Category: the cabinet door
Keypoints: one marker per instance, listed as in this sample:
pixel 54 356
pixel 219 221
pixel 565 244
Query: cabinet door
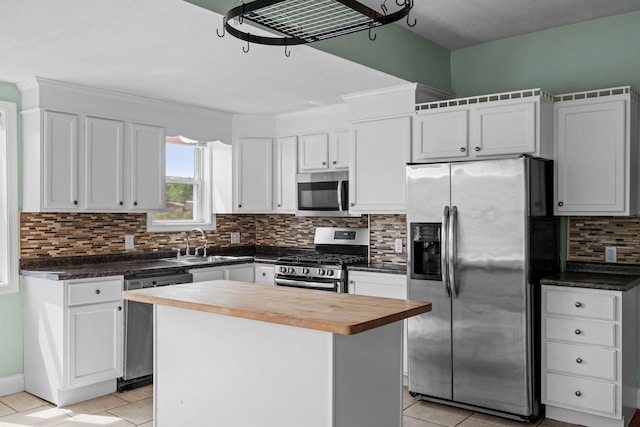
pixel 440 134
pixel 240 273
pixel 313 153
pixel 60 161
pixel 339 150
pixel 147 168
pixel 590 158
pixel 286 169
pixel 94 343
pixel 378 158
pixel 253 175
pixel 504 129
pixel 103 164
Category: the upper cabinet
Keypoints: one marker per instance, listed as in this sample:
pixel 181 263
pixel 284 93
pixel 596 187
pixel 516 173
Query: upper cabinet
pixel 322 152
pixel 286 167
pixel 596 156
pixel 488 126
pixel 100 171
pixel 252 175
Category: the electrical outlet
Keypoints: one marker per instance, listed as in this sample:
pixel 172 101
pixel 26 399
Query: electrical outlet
pixel 610 254
pixel 128 241
pixel 398 247
pixel 235 237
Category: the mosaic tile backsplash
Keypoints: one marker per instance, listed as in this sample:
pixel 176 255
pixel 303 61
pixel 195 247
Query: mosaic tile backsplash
pixel 57 235
pixel 588 237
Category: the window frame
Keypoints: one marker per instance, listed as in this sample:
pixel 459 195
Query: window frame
pixel 9 257
pixel 202 206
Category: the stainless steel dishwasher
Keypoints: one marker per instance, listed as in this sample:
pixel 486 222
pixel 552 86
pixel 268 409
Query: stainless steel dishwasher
pixel 138 330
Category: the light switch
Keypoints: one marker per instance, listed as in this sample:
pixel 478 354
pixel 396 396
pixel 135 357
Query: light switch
pixel 398 248
pixel 235 237
pixel 128 241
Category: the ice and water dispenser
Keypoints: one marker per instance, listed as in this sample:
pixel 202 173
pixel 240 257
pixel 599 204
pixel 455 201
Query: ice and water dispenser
pixel 425 241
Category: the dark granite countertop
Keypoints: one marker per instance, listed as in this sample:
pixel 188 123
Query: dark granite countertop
pixel 612 277
pixel 379 268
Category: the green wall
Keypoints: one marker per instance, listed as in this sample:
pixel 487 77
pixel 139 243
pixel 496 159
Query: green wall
pixel 11 304
pixel 589 55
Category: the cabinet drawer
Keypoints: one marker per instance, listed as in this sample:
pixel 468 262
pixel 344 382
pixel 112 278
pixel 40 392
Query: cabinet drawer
pixel 579 360
pixel 581 331
pixel 95 291
pixel 581 304
pixel 578 393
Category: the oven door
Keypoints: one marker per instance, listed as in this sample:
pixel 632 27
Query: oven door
pixel 331 285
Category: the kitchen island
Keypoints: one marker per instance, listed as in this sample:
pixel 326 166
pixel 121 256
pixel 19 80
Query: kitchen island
pixel 240 354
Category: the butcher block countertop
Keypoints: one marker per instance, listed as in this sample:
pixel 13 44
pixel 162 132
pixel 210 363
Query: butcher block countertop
pixel 344 314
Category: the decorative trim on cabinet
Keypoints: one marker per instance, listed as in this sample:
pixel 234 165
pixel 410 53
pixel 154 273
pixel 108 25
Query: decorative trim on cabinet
pixel 599 93
pixel 527 93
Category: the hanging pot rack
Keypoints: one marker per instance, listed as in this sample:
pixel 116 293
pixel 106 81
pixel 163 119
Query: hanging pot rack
pixel 306 21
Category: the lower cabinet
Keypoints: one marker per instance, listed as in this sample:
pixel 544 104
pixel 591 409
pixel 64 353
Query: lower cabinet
pixel 589 354
pixel 382 285
pixel 237 272
pixel 264 273
pixel 73 332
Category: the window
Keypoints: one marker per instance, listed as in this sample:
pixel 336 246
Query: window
pixel 8 198
pixel 188 188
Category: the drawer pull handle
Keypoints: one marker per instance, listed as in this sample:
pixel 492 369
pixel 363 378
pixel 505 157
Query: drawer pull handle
pixel 578 360
pixel 578 393
pixel 578 331
pixel 578 304
pixel 97 291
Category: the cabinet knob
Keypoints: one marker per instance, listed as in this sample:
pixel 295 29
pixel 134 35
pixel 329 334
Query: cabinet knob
pixel 351 282
pixel 578 360
pixel 352 204
pixel 97 291
pixel 279 205
pixel 264 274
pixel 462 149
pixel 334 162
pixel 324 163
pixel 578 393
pixel 578 304
pixel 75 202
pixel 560 204
pixel 578 331
pixel 239 206
pixel 135 203
pixel 119 308
pixel 121 203
pixel 477 148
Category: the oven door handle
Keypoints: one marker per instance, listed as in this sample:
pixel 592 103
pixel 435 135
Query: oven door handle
pixel 302 283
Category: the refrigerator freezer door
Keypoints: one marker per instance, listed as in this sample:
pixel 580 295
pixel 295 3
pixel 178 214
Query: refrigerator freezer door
pixel 491 315
pixel 429 347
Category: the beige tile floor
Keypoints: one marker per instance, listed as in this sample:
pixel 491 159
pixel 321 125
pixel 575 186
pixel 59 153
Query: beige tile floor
pixel 134 408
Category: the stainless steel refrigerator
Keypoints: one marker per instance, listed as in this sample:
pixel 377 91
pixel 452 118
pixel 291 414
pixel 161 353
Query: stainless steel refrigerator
pixel 480 235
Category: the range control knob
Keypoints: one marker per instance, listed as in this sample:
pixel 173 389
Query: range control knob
pixel 291 270
pixel 329 272
pixel 283 269
pixel 305 270
pixel 321 272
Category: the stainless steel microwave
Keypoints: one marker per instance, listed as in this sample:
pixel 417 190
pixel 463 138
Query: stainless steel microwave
pixel 322 194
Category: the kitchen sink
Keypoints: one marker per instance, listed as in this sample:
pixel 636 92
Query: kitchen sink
pixel 212 259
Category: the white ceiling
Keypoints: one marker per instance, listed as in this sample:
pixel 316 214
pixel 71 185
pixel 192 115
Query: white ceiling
pixel 168 49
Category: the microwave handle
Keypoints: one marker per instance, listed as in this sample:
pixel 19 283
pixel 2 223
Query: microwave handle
pixel 341 206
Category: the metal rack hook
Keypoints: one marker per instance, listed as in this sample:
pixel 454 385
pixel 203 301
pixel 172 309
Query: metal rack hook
pixel 287 52
pixel 248 45
pixel 415 21
pixel 224 28
pixel 383 6
pixel 375 36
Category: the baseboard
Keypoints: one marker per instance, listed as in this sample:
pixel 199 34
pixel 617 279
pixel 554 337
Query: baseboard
pixel 12 384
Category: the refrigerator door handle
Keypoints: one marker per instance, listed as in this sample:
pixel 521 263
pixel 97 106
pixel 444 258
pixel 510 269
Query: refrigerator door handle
pixel 444 251
pixel 453 250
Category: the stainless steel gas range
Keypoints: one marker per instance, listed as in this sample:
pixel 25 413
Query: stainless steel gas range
pixel 326 268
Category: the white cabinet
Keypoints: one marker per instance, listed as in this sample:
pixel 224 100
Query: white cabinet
pixel 382 285
pixel 380 150
pixel 322 152
pixel 589 353
pixel 81 356
pixel 264 273
pixel 146 168
pixel 488 126
pixel 236 272
pixel 252 175
pixel 102 171
pixel 596 156
pixel 103 164
pixel 286 168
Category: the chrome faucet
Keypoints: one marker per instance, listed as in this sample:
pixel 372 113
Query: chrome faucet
pixel 203 237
